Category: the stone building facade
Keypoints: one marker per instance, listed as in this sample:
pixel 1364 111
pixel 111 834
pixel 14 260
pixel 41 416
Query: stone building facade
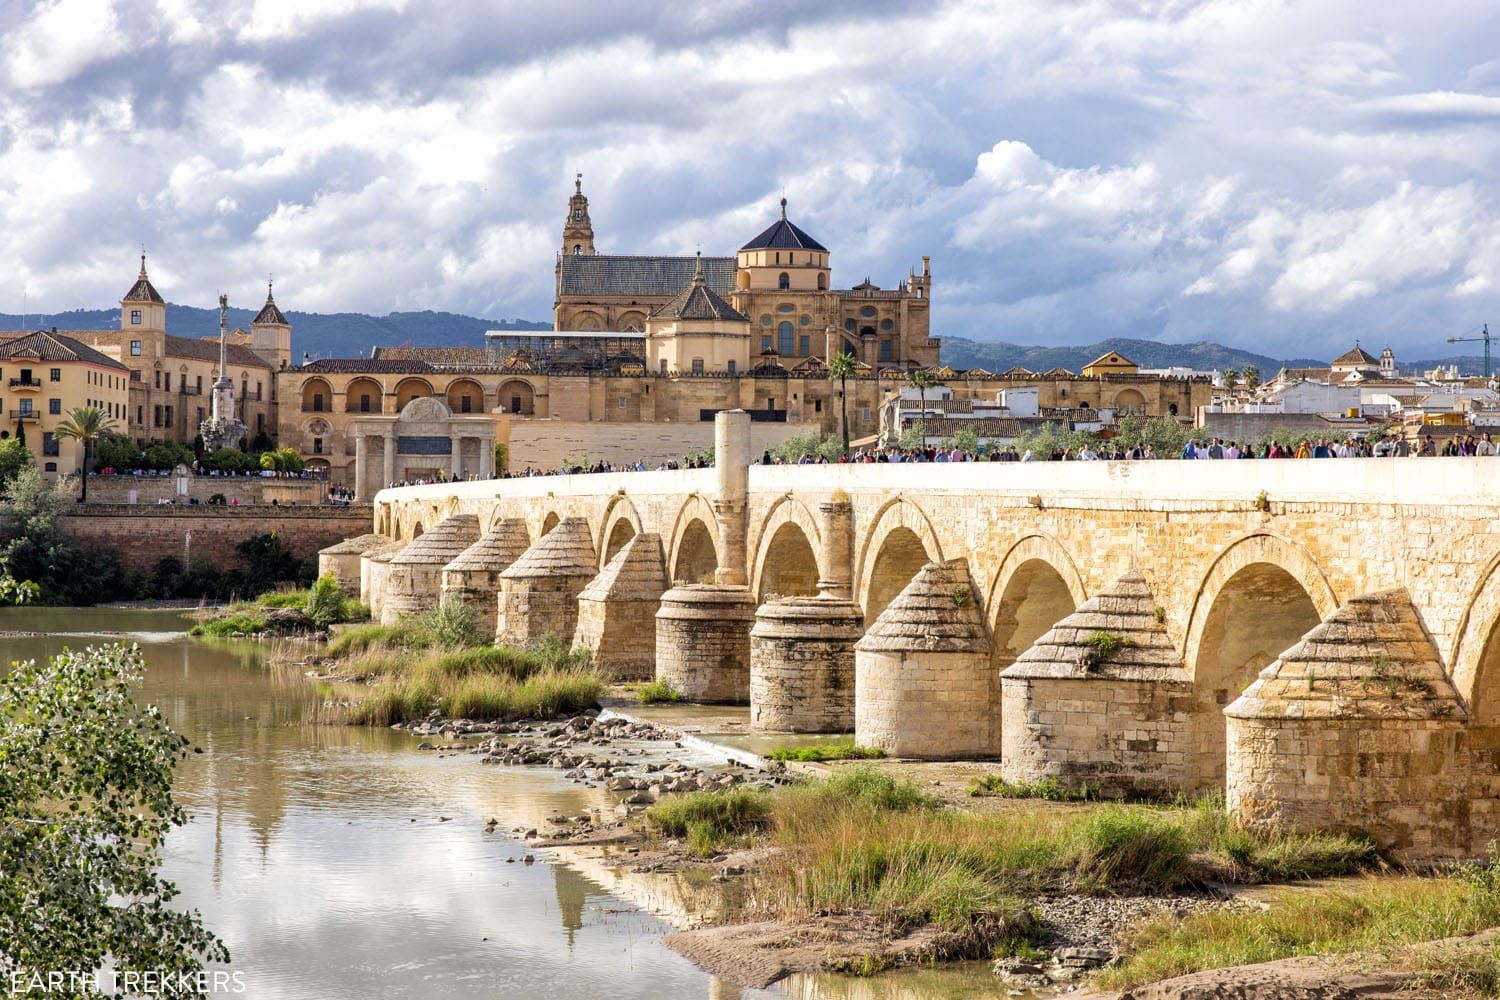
pixel 44 377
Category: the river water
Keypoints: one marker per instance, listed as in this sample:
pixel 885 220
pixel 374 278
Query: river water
pixel 340 862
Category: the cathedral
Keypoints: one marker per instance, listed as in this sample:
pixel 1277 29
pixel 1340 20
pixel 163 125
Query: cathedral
pixel 773 301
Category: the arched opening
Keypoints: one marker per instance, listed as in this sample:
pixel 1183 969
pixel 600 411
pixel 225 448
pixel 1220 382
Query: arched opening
pixel 697 559
pixel 317 396
pixel 589 322
pixel 549 522
pixel 822 282
pixel 1130 399
pixel 410 389
pixel 619 536
pixel 465 396
pixel 363 395
pixel 416 530
pixel 901 555
pixel 1260 612
pixel 632 322
pixel 1035 598
pixel 742 280
pixel 789 567
pixel 785 339
pixel 516 396
pixel 1484 705
pixel 783 280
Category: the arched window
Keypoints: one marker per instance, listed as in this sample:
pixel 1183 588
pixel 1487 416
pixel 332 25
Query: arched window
pixel 577 249
pixel 784 339
pixel 822 282
pixel 783 281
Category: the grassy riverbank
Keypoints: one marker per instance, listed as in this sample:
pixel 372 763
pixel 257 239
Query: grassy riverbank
pixel 438 662
pixel 287 610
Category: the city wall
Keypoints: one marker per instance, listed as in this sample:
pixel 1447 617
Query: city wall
pixel 1238 563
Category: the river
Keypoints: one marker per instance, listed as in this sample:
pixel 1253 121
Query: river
pixel 340 862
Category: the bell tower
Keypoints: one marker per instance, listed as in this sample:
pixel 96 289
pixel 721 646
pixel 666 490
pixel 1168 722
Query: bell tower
pixel 578 231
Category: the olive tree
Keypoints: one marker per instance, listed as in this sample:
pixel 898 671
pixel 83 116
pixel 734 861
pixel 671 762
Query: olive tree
pixel 85 803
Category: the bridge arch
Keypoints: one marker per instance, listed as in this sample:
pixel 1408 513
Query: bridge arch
pixel 901 540
pixel 1260 596
pixel 786 551
pixel 621 523
pixel 695 542
pixel 550 520
pixel 1475 666
pixel 1037 586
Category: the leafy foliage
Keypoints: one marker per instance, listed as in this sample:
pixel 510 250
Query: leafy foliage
pixel 14 456
pixel 827 751
pixel 452 623
pixel 326 604
pixel 281 460
pixel 85 803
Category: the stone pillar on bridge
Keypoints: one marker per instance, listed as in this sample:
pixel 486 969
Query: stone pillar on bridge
pixel 1101 700
pixel 373 567
pixel 539 592
pixel 923 675
pixel 474 577
pixel 836 561
pixel 617 610
pixel 1357 727
pixel 415 580
pixel 731 506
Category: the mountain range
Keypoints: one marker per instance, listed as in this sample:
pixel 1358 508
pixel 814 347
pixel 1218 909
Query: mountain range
pixel 352 335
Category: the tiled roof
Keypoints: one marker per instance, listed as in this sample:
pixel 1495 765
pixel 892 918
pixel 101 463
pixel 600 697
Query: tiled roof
pixel 344 366
pixel 269 313
pixel 142 291
pixel 208 350
pixel 44 346
pixel 436 355
pixel 1356 356
pixel 641 276
pixel 784 236
pixel 699 302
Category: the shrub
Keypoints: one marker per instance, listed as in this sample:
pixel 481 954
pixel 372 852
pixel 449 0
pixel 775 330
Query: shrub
pixel 231 625
pixel 451 623
pixel 656 691
pixel 325 603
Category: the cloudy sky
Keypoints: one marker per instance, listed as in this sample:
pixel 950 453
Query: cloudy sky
pixel 1283 176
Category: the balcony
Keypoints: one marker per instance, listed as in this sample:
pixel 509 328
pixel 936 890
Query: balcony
pixel 24 414
pixel 25 383
pixel 190 390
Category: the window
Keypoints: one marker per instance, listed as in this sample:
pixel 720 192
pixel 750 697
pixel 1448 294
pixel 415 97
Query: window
pixel 697 366
pixel 317 446
pixel 867 311
pixel 54 406
pixel 849 325
pixel 778 259
pixel 135 317
pixel 49 443
pixel 25 376
pixel 364 403
pixel 784 339
pixel 466 405
pixel 783 280
pixel 140 415
pixel 157 379
pixel 200 384
pixel 57 374
pixel 577 249
pixel 166 412
pixel 135 348
pixel 765 320
pixel 166 381
pixel 804 345
pixel 817 406
pixel 317 402
pixel 864 414
pixel 620 403
pixel 729 366
pixel 786 307
pixel 26 406
pixel 822 282
pixel 200 414
pixel 135 376
pixel 885 350
pixel 885 324
pixel 765 343
pixel 50 467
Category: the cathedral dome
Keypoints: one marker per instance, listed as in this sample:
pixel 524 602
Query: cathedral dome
pixel 783 235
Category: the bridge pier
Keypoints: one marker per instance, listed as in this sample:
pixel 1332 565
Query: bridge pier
pixel 617 610
pixel 802 665
pixel 539 592
pixel 703 642
pixel 1100 700
pixel 343 560
pixel 414 582
pixel 923 683
pixel 474 577
pixel 374 565
pixel 1357 728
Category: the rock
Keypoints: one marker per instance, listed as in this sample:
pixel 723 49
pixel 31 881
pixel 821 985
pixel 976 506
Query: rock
pixel 639 799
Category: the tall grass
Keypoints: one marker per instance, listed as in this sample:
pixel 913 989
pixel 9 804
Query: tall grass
pixel 827 751
pixel 711 820
pixel 361 638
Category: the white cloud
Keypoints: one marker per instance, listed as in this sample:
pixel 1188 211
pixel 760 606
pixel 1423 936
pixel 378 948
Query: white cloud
pixel 59 40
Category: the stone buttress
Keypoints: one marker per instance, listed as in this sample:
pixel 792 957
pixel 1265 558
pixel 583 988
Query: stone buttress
pixel 617 610
pixel 343 560
pixel 1356 728
pixel 923 684
pixel 1100 700
pixel 414 582
pixel 539 592
pixel 474 575
pixel 374 565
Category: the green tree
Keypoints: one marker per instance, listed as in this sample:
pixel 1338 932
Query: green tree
pixel 167 455
pixel 1252 376
pixel 115 451
pixel 1053 437
pixel 14 456
pixel 841 367
pixel 1229 375
pixel 34 546
pixel 921 380
pixel 85 424
pixel 85 803
pixel 1164 435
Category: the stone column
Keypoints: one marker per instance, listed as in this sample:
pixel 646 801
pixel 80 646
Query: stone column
pixel 486 457
pixel 389 468
pixel 836 561
pixel 732 472
pixel 456 460
pixel 361 467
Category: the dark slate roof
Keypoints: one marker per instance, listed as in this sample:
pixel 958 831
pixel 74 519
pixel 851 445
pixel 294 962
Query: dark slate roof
pixel 44 346
pixel 373 366
pixel 698 301
pixel 269 313
pixel 208 350
pixel 142 290
pixel 784 236
pixel 645 277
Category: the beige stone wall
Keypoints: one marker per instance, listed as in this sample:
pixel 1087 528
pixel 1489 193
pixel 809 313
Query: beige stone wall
pixel 703 643
pixel 802 666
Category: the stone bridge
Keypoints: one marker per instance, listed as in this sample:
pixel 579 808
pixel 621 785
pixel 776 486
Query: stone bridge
pixel 1316 638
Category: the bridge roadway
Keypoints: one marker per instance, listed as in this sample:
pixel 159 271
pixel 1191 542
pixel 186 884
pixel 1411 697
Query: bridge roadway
pixel 1234 563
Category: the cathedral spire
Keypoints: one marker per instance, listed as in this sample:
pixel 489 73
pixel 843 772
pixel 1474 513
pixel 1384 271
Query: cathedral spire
pixel 578 231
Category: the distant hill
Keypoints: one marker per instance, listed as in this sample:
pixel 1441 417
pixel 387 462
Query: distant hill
pixel 959 352
pixel 320 335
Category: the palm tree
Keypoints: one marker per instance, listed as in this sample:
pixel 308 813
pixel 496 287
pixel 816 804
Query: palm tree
pixel 921 380
pixel 1252 376
pixel 85 424
pixel 841 367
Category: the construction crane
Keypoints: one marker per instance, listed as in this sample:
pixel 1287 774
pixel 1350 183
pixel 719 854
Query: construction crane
pixel 1484 337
